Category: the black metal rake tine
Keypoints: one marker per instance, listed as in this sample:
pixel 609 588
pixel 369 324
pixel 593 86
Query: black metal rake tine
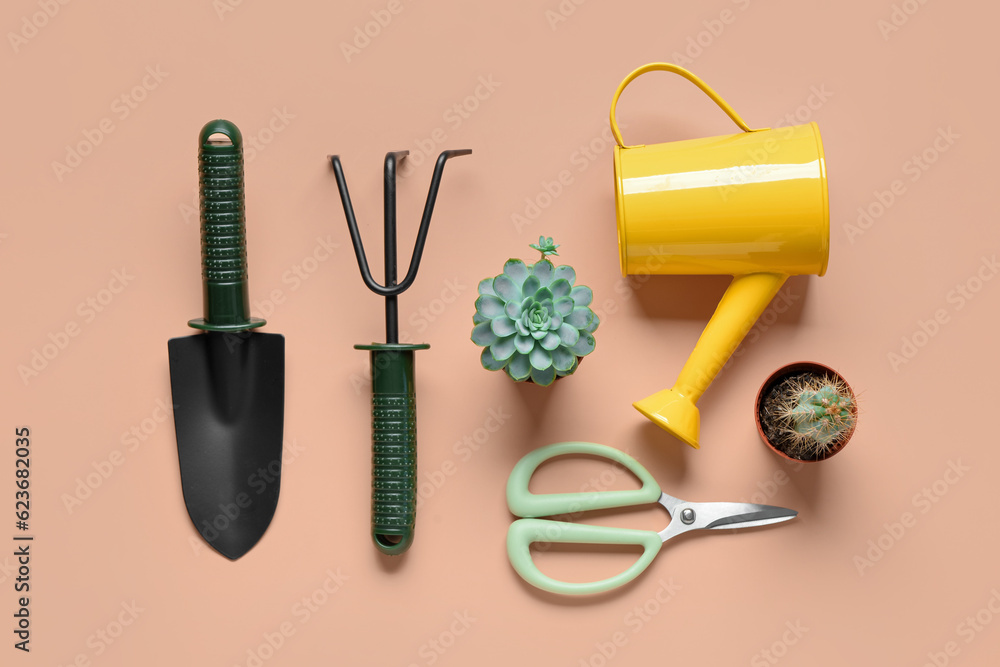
pixel 389 243
pixel 389 198
pixel 352 226
pixel 425 220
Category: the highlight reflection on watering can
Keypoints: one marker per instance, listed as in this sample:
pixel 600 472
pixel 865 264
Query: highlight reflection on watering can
pixel 753 205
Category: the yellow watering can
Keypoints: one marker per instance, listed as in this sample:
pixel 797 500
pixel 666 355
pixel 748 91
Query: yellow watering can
pixel 753 205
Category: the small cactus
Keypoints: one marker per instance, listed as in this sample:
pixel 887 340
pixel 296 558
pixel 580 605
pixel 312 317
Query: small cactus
pixel 533 321
pixel 810 415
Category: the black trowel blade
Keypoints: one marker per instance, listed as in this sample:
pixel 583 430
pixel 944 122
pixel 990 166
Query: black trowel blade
pixel 229 401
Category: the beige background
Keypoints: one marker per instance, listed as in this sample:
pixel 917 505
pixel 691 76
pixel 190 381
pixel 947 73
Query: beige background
pixel 279 71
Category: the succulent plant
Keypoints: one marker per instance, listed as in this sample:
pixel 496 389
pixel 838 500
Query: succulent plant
pixel 544 246
pixel 533 321
pixel 813 414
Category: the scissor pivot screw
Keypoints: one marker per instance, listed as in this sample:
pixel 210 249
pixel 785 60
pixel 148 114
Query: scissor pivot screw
pixel 687 516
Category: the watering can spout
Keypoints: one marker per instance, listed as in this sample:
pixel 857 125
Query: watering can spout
pixel 674 410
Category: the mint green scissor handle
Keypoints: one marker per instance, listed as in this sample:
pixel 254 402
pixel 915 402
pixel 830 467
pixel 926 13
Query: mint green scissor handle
pixel 524 532
pixel 527 531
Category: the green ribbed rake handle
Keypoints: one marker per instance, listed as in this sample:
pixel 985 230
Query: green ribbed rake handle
pixel 394 445
pixel 223 230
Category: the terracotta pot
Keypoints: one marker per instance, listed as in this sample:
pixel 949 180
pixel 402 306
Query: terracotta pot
pixel 776 377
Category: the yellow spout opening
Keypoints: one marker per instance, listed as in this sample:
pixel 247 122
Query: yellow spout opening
pixel 674 413
pixel 675 410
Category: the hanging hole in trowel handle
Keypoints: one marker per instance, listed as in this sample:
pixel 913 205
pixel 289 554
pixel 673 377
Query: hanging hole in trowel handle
pixel 220 134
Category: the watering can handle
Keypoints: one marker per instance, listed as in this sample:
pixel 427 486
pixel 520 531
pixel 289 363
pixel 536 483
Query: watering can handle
pixel 676 69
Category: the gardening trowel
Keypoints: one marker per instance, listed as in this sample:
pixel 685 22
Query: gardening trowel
pixel 228 383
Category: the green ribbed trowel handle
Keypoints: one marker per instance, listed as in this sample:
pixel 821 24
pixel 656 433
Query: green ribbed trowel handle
pixel 394 445
pixel 223 231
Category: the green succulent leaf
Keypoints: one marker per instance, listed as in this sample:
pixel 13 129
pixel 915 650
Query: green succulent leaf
pixel 489 306
pixel 540 358
pixel 519 367
pixel 539 334
pixel 503 326
pixel 543 294
pixel 569 335
pixel 551 341
pixel 576 362
pixel 584 346
pixel 582 295
pixel 531 285
pixel 503 348
pixel 563 359
pixel 488 362
pixel 506 289
pixel 543 377
pixel 564 306
pixel 592 327
pixel 524 343
pixel 482 334
pixel 567 273
pixel 486 286
pixel 544 271
pixel 516 270
pixel 478 319
pixel 513 310
pixel 555 322
pixel 560 287
pixel 580 318
pixel 536 317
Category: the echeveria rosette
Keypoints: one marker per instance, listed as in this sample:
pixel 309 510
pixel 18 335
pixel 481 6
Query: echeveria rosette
pixel 533 321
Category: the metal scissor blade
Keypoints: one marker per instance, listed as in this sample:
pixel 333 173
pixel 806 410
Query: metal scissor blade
pixel 746 515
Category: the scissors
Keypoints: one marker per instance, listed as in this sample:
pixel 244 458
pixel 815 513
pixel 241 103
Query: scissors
pixel 684 516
